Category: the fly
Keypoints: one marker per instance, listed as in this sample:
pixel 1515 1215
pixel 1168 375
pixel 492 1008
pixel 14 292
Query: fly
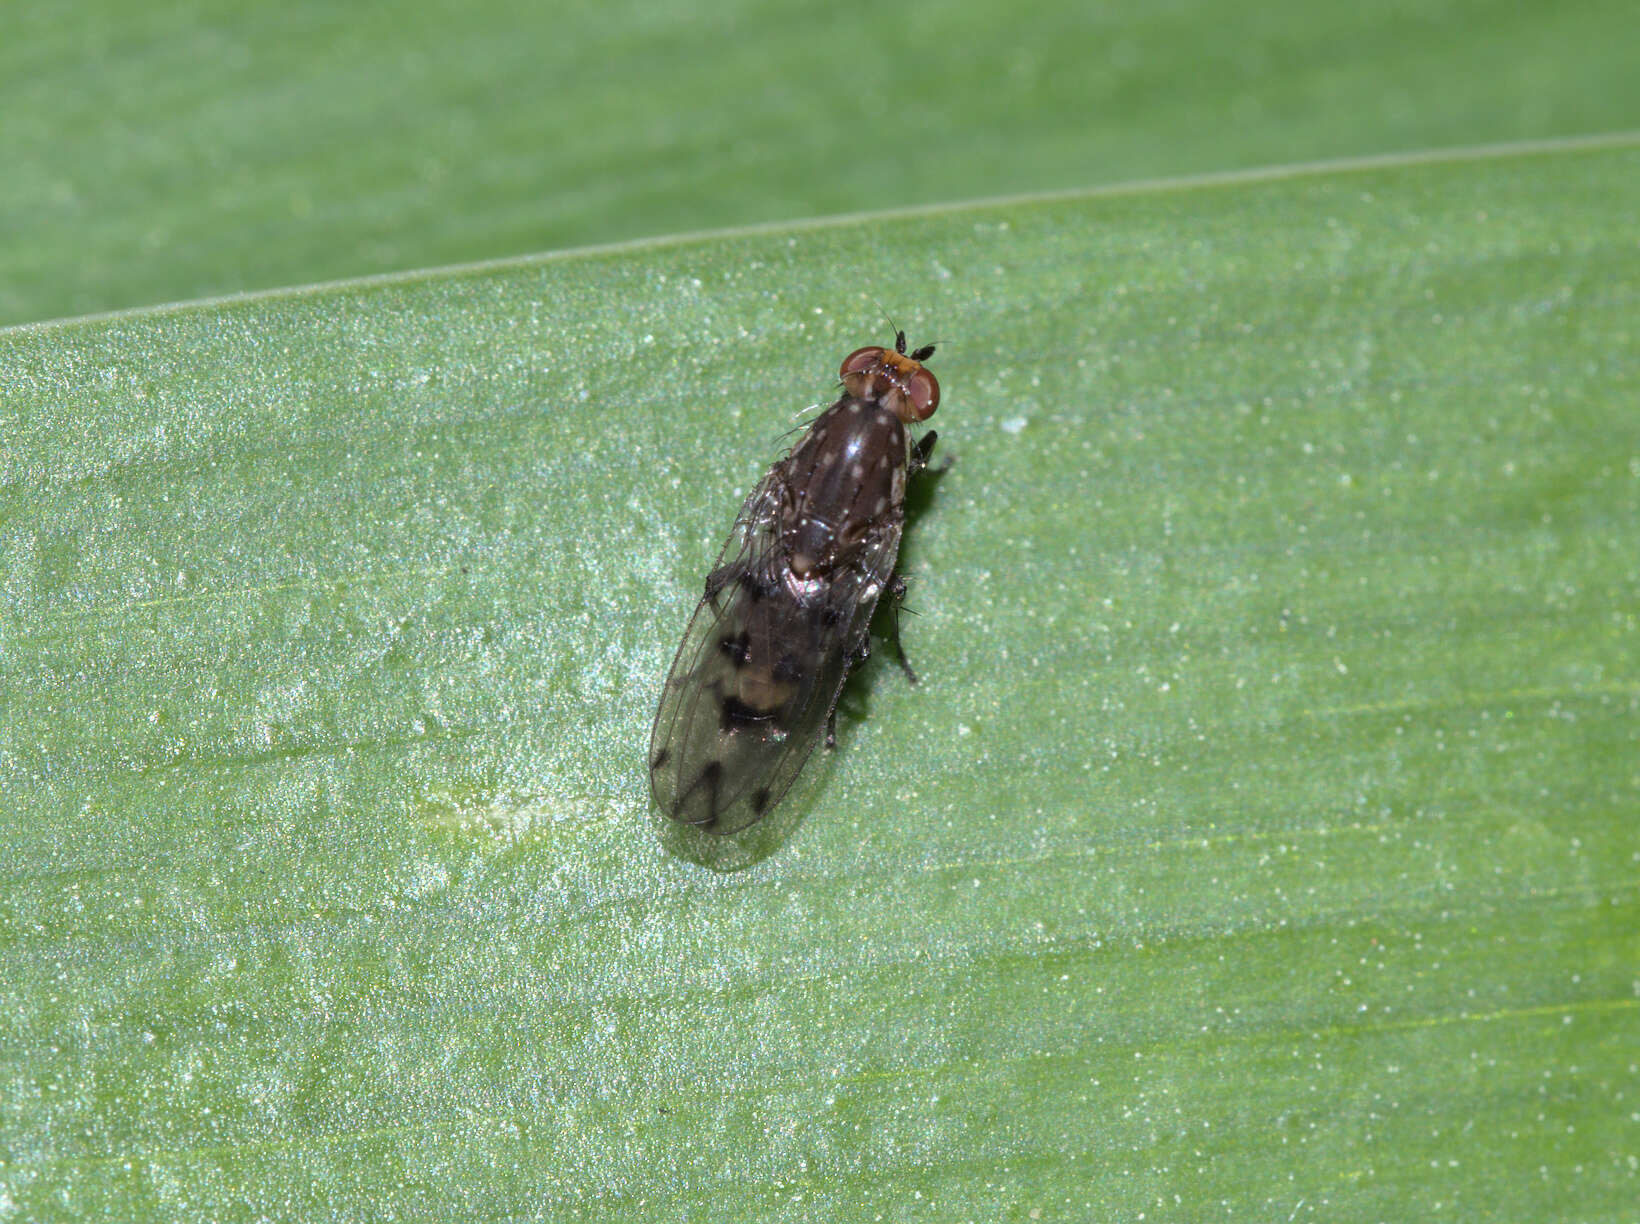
pixel 787 609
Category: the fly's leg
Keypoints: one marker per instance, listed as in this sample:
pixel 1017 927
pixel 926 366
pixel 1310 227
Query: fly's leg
pixel 896 597
pixel 920 450
pixel 857 656
pixel 895 592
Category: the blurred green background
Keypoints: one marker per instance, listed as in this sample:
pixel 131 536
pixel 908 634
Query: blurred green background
pixel 1262 843
pixel 157 153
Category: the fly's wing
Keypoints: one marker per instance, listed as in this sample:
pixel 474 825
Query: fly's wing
pixel 759 671
pixel 685 772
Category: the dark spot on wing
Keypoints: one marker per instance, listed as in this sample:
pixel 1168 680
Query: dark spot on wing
pixel 661 758
pixel 756 585
pixel 760 801
pixel 711 777
pixel 738 647
pixel 736 714
pixel 718 579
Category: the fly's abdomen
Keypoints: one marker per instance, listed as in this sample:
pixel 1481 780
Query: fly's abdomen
pixel 763 668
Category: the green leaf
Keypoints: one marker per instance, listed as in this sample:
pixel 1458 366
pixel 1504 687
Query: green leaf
pixel 161 152
pixel 1260 844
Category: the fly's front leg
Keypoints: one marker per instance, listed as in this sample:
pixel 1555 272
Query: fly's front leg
pixel 920 450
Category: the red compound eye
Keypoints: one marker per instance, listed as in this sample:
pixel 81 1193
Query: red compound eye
pixel 862 359
pixel 922 391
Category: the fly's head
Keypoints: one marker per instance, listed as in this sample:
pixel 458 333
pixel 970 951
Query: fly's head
pixel 894 378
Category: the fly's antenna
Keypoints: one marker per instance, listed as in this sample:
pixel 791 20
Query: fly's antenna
pixel 899 336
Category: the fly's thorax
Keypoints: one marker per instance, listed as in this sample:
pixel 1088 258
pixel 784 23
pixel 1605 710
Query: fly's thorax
pixel 845 476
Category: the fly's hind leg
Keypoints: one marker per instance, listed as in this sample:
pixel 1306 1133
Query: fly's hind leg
pixel 896 598
pixel 858 655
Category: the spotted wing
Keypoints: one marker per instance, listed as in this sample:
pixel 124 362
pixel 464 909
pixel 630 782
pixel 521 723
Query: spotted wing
pixel 759 670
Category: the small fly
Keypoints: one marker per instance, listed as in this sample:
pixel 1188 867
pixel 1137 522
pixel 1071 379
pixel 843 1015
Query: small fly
pixel 787 609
